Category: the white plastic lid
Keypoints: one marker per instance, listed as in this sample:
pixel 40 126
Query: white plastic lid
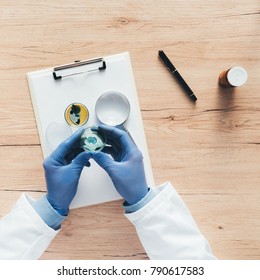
pixel 237 76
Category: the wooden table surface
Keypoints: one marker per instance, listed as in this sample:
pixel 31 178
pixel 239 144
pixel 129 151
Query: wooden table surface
pixel 210 150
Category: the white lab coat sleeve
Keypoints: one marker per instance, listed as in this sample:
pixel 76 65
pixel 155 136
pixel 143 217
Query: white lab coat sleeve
pixel 167 230
pixel 23 234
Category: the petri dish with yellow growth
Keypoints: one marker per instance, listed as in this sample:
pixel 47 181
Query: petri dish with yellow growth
pixel 76 114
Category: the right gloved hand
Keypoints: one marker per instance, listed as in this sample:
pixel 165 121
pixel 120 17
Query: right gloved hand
pixel 125 168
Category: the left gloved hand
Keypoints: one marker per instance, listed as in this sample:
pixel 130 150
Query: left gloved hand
pixel 62 172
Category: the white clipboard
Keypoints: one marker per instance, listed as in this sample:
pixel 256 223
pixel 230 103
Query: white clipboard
pixel 51 97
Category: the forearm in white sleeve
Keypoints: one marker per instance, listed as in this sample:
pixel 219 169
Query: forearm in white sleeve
pixel 167 230
pixel 23 234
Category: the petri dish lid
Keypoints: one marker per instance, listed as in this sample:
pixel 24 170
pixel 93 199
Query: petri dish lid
pixel 56 133
pixel 112 108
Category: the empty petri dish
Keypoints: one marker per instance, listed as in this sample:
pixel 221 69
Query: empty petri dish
pixel 56 133
pixel 112 108
pixel 76 114
pixel 92 141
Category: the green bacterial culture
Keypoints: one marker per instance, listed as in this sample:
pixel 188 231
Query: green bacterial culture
pixel 91 141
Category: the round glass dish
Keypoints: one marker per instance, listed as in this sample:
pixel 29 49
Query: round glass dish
pixel 91 141
pixel 112 108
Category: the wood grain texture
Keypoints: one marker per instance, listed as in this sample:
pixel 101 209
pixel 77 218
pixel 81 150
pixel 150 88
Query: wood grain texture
pixel 209 151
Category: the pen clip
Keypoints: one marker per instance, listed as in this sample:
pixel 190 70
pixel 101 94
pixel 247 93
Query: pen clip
pixel 166 61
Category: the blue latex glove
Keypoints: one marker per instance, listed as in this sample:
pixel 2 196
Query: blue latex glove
pixel 125 168
pixel 62 171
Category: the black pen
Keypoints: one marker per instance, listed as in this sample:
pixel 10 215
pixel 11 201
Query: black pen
pixel 176 74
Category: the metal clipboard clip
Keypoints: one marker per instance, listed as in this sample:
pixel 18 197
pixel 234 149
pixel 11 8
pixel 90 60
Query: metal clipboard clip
pixel 79 63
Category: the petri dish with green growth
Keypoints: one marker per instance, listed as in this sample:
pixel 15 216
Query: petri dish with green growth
pixel 92 141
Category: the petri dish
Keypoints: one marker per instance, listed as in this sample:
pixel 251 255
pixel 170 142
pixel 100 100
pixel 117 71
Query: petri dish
pixel 57 132
pixel 76 114
pixel 112 108
pixel 92 141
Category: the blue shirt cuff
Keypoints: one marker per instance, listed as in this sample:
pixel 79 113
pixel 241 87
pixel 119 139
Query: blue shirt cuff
pixel 48 214
pixel 140 204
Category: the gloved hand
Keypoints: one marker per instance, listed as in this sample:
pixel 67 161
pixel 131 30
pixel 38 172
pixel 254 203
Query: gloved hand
pixel 62 172
pixel 125 168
